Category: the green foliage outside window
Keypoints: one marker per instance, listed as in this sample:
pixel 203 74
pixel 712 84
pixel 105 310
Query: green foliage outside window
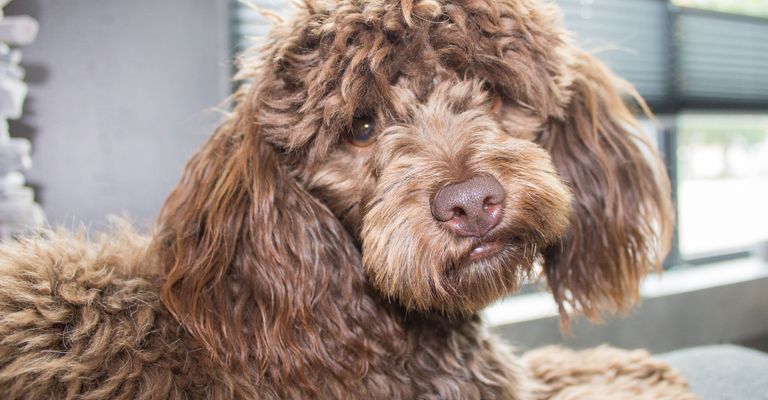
pixel 723 129
pixel 758 8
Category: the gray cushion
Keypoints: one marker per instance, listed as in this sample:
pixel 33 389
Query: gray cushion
pixel 722 372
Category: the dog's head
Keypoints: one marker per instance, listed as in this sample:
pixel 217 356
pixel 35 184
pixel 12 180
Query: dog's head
pixel 458 143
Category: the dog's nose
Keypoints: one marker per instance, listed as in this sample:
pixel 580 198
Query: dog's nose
pixel 470 208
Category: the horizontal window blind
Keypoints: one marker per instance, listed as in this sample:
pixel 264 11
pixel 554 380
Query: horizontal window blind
pixel 630 36
pixel 247 22
pixel 722 57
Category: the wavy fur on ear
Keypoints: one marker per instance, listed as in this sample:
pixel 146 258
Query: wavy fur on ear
pixel 258 271
pixel 622 215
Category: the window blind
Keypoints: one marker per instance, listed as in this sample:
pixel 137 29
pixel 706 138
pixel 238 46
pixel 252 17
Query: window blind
pixel 630 36
pixel 247 22
pixel 721 57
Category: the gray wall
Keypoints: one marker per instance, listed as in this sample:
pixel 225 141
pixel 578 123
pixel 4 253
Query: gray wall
pixel 121 94
pixel 689 313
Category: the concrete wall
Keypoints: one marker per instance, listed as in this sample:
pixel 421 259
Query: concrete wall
pixel 121 94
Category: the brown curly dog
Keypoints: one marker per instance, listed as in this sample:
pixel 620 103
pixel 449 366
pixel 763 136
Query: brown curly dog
pixel 390 168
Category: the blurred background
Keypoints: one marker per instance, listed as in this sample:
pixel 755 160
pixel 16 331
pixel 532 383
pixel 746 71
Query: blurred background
pixel 121 93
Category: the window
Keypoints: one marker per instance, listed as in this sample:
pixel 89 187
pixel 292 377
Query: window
pixel 703 72
pixel 723 182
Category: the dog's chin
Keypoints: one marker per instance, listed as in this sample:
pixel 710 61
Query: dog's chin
pixel 466 278
pixel 487 271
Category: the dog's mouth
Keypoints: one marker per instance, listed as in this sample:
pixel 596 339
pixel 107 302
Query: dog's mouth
pixel 498 251
pixel 485 250
pixel 489 248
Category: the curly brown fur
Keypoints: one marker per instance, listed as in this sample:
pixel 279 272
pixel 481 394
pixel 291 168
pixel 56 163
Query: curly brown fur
pixel 603 373
pixel 297 260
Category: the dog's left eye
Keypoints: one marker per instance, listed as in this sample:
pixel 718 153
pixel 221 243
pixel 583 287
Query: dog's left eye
pixel 363 129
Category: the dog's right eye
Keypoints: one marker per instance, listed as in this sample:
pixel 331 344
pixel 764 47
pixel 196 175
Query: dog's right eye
pixel 363 130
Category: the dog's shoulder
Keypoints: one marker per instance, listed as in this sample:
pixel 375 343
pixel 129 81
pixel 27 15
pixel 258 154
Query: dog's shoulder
pixel 82 316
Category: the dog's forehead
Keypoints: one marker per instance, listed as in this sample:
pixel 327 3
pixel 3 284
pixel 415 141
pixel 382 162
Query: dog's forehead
pixel 340 60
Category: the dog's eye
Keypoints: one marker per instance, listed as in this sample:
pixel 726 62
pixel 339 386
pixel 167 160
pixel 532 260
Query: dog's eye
pixel 363 130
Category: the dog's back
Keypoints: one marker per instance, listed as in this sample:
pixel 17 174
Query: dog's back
pixel 84 319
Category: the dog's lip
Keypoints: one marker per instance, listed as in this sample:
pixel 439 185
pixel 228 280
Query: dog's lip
pixel 490 246
pixel 485 249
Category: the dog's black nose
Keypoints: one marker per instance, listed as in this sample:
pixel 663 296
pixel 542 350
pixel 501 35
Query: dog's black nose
pixel 470 208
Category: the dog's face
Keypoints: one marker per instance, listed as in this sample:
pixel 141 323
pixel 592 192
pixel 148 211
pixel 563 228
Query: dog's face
pixel 450 204
pixel 445 189
pixel 458 143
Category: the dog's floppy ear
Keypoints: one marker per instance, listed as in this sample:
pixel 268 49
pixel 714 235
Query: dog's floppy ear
pixel 247 252
pixel 621 212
